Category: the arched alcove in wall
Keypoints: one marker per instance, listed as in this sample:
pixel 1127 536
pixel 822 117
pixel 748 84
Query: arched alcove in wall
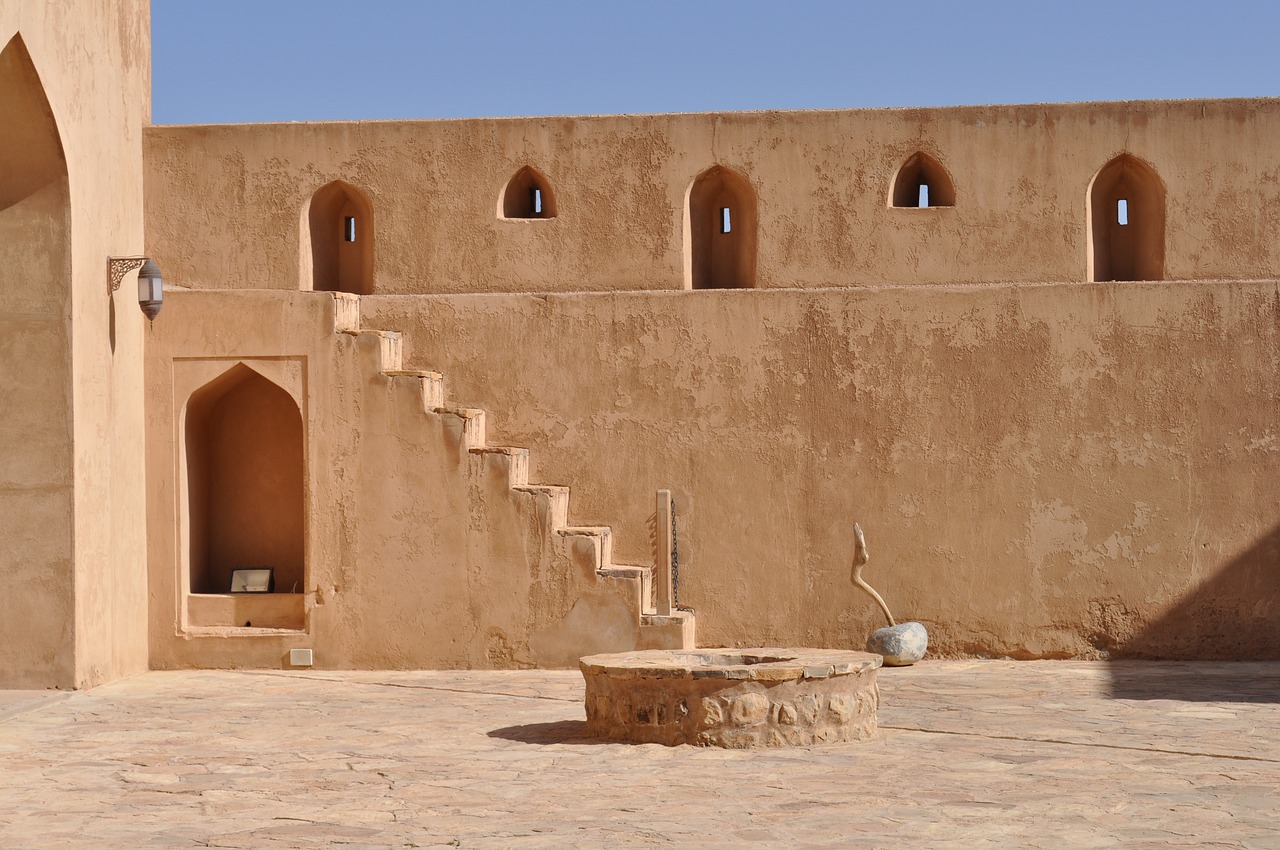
pixel 922 182
pixel 720 231
pixel 340 225
pixel 245 481
pixel 37 603
pixel 1126 222
pixel 527 195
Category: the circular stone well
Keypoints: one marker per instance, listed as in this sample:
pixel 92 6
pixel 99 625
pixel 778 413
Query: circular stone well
pixel 762 697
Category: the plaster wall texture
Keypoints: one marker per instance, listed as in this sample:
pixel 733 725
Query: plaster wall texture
pixel 226 204
pixel 1046 468
pixel 418 551
pixel 75 96
pixel 1042 470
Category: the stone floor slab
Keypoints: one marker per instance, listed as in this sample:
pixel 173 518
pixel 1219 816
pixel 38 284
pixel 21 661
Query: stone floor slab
pixel 971 754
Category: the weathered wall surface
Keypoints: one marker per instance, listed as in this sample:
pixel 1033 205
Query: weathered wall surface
pixel 73 565
pixel 1041 470
pixel 418 551
pixel 1043 467
pixel 225 204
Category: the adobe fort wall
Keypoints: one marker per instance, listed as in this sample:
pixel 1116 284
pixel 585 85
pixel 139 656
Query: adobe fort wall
pixel 1042 470
pixel 228 206
pixel 283 436
pixel 1045 466
pixel 75 83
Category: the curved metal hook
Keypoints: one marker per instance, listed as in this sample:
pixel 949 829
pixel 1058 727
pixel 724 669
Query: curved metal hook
pixel 860 558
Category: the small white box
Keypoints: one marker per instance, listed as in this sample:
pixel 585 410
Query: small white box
pixel 300 658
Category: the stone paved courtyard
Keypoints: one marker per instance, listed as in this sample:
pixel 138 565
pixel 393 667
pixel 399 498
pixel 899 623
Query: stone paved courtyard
pixel 970 754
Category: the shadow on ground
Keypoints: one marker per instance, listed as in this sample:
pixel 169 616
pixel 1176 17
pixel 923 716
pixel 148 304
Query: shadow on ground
pixel 559 732
pixel 1204 681
pixel 1233 617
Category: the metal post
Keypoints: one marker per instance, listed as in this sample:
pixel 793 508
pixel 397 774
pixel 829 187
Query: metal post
pixel 662 563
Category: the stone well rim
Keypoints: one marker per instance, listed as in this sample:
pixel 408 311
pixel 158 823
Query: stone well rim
pixel 774 664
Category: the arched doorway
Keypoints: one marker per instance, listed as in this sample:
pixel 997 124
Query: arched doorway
pixel 340 220
pixel 245 482
pixel 720 231
pixel 1126 222
pixel 37 569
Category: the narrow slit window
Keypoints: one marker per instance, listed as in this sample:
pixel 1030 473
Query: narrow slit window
pixel 923 198
pixel 1122 212
pixel 726 222
pixel 535 201
pixel 349 228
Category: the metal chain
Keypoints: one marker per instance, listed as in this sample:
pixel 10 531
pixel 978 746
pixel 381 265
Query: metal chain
pixel 675 559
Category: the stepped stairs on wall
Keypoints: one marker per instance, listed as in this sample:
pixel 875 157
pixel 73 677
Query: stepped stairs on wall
pixel 657 630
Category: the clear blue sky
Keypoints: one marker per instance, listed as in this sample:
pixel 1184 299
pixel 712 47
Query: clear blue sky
pixel 298 60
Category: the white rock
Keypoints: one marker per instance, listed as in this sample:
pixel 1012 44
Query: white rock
pixel 901 645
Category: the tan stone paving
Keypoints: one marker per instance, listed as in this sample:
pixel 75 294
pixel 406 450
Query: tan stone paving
pixel 972 754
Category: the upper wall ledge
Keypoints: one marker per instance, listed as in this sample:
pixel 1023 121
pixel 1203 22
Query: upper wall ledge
pixel 951 112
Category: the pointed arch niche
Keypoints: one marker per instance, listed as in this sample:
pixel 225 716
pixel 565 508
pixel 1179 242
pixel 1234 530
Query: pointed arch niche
pixel 38 610
pixel 242 439
pixel 922 183
pixel 720 231
pixel 338 221
pixel 1126 222
pixel 527 195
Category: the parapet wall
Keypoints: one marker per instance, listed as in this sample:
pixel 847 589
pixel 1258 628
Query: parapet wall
pixel 442 201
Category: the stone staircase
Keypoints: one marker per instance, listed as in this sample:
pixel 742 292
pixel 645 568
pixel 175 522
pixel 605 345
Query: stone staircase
pixel 594 543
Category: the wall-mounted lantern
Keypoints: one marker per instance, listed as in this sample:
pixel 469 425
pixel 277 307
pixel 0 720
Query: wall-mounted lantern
pixel 150 286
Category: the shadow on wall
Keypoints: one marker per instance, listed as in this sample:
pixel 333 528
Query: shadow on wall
pixel 1232 617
